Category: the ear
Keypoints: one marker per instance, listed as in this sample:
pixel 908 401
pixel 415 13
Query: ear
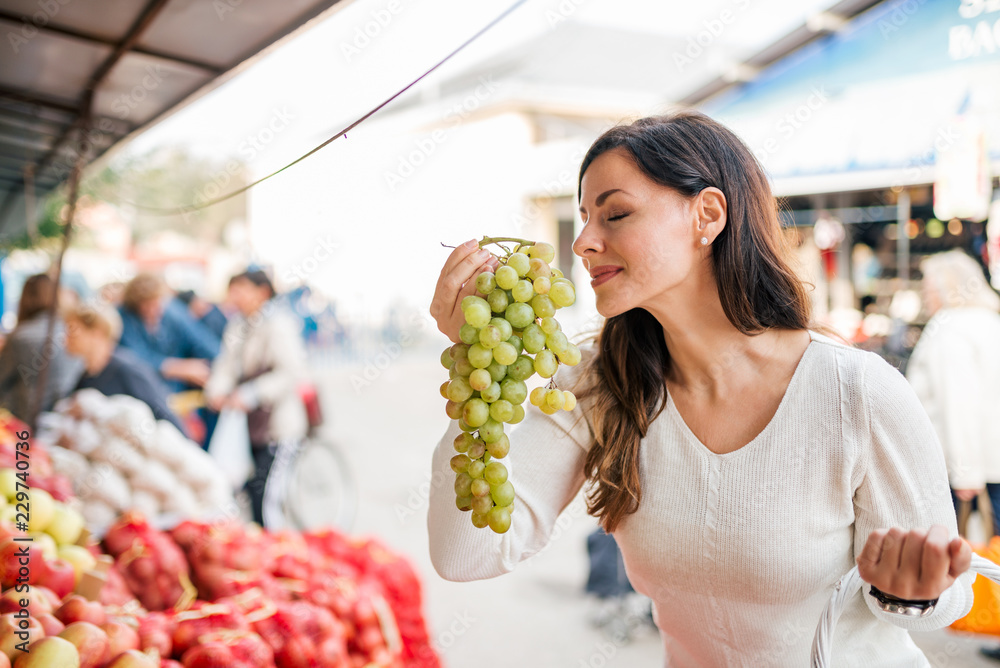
pixel 710 214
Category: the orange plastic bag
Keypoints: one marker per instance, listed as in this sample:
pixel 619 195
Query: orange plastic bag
pixel 985 614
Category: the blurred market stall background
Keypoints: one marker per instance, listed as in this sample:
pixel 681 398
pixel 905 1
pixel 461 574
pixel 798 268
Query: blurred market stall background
pixel 878 122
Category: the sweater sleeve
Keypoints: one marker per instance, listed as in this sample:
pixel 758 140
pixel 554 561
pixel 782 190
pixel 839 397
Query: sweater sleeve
pixel 545 466
pixel 904 483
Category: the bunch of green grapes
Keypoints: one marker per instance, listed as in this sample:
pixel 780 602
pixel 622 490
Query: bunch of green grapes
pixel 510 334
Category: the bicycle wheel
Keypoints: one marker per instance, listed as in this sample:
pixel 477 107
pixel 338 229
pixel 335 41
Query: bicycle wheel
pixel 319 489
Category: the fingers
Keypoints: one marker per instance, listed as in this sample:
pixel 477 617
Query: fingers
pixel 960 555
pixel 935 560
pixel 870 555
pixel 892 548
pixel 459 254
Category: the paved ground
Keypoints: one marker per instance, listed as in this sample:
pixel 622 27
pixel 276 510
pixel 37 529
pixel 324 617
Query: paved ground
pixel 387 413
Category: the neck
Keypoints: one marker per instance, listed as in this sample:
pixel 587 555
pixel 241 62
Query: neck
pixel 97 357
pixel 708 354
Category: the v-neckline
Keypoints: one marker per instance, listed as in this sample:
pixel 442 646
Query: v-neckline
pixel 675 414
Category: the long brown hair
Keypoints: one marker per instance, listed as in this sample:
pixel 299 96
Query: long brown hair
pixel 625 380
pixel 37 295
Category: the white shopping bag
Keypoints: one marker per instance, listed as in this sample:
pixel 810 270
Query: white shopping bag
pixel 230 447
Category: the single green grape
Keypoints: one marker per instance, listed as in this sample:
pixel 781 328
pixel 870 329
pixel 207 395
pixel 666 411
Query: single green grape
pixel 543 251
pixel 533 338
pixel 459 351
pixel 505 353
pixel 498 301
pixel 542 285
pixel 546 364
pixel 460 463
pixel 480 487
pixel 518 415
pixel 538 268
pixel 523 291
pixel 463 484
pixel 503 494
pixel 490 336
pixel 571 356
pixel 506 331
pixel 522 368
pixel 479 356
pixel 514 391
pixel 477 315
pixel 498 519
pixel 501 410
pixel 520 315
pixel 562 293
pixel 464 426
pixel 446 360
pixel 476 412
pixel 497 371
pixel 486 282
pixel 478 519
pixel 515 341
pixel 469 335
pixel 492 393
pixel 476 470
pixel 542 306
pixel 477 449
pixel 549 325
pixel 444 388
pixel 500 447
pixel 537 396
pixel 520 263
pixel 506 277
pixel 495 473
pixel 480 379
pixel 482 504
pixel 459 390
pixel 454 408
pixel 555 399
pixel 463 442
pixel 491 432
pixel 464 503
pixel 557 342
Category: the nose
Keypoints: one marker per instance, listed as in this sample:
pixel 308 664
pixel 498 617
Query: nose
pixel 588 242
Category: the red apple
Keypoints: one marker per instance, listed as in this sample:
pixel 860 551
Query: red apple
pixel 45 592
pixel 212 654
pixel 133 658
pixel 121 636
pixel 59 576
pixel 156 632
pixel 51 625
pixel 19 559
pixel 37 602
pixel 11 635
pixel 170 663
pixel 90 641
pixel 49 652
pixel 5 662
pixel 78 609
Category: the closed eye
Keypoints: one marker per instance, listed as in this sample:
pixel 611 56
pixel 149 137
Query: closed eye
pixel 618 217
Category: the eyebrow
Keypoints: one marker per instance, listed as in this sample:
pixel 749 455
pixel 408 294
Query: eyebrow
pixel 604 195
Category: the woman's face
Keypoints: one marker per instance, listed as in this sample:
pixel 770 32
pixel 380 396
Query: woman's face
pixel 78 338
pixel 639 238
pixel 246 296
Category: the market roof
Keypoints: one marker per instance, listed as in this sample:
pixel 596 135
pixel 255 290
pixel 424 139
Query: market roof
pixel 132 63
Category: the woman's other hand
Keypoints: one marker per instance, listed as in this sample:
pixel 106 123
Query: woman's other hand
pixel 457 281
pixel 916 565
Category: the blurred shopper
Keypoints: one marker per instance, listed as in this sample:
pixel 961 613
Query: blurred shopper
pixel 161 332
pixel 92 333
pixel 955 371
pixel 25 354
pixel 204 311
pixel 258 372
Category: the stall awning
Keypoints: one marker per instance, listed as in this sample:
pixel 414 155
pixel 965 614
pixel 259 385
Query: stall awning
pixel 133 62
pixel 876 103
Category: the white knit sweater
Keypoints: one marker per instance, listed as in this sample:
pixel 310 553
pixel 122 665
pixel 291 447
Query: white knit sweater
pixel 740 552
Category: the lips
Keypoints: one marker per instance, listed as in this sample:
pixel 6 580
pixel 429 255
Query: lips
pixel 603 274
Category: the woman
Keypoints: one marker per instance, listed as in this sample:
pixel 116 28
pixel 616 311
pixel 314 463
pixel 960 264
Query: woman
pixel 258 372
pixel 25 355
pixel 742 462
pixel 955 371
pixel 92 332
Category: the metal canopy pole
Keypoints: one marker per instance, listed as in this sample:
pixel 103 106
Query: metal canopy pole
pixel 903 237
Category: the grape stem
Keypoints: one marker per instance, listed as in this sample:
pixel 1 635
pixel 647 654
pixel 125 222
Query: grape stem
pixel 485 241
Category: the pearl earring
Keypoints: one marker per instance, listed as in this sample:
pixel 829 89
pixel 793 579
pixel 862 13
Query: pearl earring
pixel 704 241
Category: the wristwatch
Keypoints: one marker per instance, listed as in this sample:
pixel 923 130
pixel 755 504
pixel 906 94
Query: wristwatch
pixel 900 606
